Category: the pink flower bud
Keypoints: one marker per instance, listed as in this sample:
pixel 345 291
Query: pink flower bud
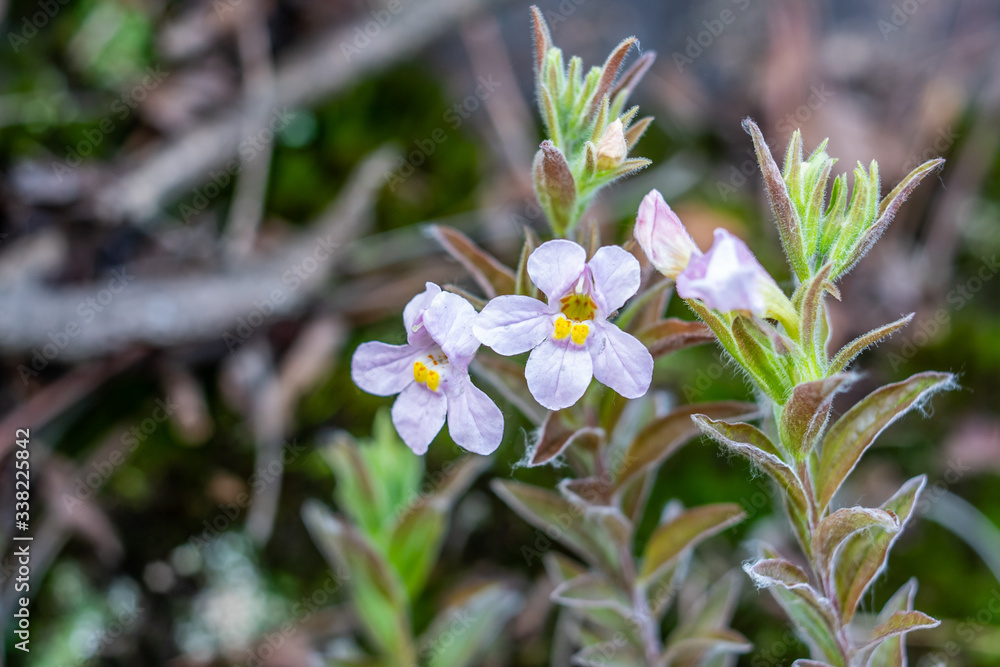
pixel 663 237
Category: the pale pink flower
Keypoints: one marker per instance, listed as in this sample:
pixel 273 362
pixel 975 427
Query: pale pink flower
pixel 430 374
pixel 570 339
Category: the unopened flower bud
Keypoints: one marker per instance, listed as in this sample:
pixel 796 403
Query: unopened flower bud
pixel 612 148
pixel 663 236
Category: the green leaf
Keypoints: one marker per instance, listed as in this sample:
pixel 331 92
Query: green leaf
pixel 891 652
pixel 560 520
pixel 901 622
pixel 709 643
pixel 608 654
pixel 377 594
pixel 887 211
pixel 462 633
pixel 804 416
pixel 844 524
pixel 662 437
pixel 684 532
pixel 848 353
pixel 761 362
pixel 492 276
pixel 711 611
pixel 810 612
pixel 750 443
pixel 592 591
pixel 674 334
pixel 852 434
pixel 416 538
pixel 814 329
pixel 863 555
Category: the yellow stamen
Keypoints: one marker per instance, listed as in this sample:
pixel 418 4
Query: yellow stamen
pixel 433 380
pixel 580 332
pixel 562 328
pixel 419 372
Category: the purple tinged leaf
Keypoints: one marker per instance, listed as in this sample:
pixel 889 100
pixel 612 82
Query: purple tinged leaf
pixel 556 436
pixel 863 556
pixel 813 331
pixel 560 519
pixel 811 613
pixel 835 529
pixel 750 443
pixel 634 133
pixel 623 88
pixel 662 437
pixel 781 203
pixel 891 652
pixel 591 591
pixel 590 491
pixel 852 434
pixel 554 184
pixel 481 611
pixel 713 610
pixel 684 532
pixel 543 38
pixel 674 334
pixel 610 71
pixel 608 654
pixel 711 642
pixel 489 273
pixel 774 571
pixel 804 416
pixel 848 353
pixel 805 662
pixel 900 623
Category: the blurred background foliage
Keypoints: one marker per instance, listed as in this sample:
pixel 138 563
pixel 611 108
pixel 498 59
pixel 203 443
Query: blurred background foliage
pixel 164 537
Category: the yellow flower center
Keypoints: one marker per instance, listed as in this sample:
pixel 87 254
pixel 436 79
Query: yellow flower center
pixel 426 375
pixel 578 306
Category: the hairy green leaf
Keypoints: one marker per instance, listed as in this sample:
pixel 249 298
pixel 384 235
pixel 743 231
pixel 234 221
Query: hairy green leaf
pixel 684 532
pixel 852 434
pixel 863 555
pixel 666 434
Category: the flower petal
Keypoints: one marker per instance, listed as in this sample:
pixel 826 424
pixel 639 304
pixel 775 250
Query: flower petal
pixel 727 277
pixel 513 324
pixel 413 315
pixel 383 369
pixel 616 275
pixel 555 266
pixel 474 421
pixel 621 361
pixel 449 320
pixel 418 415
pixel 558 374
pixel 662 235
